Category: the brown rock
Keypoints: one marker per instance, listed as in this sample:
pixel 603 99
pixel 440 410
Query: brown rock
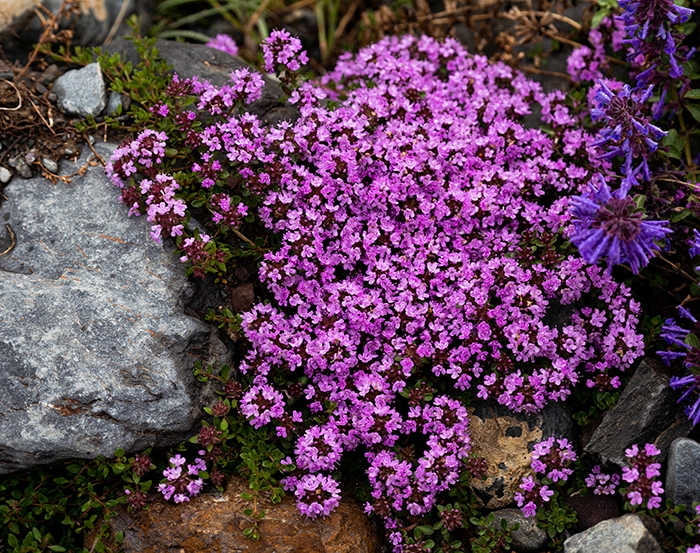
pixel 214 523
pixel 242 297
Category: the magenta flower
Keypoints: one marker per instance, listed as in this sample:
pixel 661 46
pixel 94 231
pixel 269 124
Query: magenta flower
pixel 641 474
pixel 535 495
pixel 317 495
pixel 552 460
pixel 610 225
pixel 282 49
pixel 601 482
pixel 224 43
pixel 179 485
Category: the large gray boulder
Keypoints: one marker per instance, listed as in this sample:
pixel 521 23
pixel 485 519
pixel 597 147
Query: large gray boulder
pixel 96 352
pixel 627 534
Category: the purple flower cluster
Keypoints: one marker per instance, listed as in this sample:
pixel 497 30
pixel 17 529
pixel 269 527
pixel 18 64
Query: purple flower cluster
pixel 611 225
pixel 641 474
pixel 602 483
pixel 419 225
pixel 534 495
pixel 627 132
pixel 552 463
pixel 685 348
pixel 650 29
pixel 587 64
pixel 181 485
pixel 224 43
pixel 282 49
pixel 316 494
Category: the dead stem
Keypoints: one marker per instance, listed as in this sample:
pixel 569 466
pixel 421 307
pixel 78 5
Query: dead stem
pixel 12 238
pixel 19 96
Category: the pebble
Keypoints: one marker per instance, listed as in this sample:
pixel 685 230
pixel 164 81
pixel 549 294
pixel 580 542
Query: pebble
pixel 113 104
pixel 5 175
pixel 528 538
pixel 21 166
pixel 626 534
pixel 81 91
pixel 49 164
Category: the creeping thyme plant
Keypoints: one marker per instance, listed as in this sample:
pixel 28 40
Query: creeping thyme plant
pixel 428 248
pixel 432 229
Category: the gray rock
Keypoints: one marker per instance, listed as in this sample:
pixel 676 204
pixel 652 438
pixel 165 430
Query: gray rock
pixel 21 166
pixel 683 473
pixel 528 538
pixel 113 103
pixel 627 534
pixel 21 27
pixel 5 175
pixel 81 91
pixel 95 350
pixel 49 164
pixel 646 412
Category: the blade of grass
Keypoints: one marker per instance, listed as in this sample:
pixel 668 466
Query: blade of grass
pixel 184 33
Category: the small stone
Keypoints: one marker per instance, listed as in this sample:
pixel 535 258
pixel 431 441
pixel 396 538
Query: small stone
pixel 50 74
pixel 52 97
pixel 21 166
pixel 5 175
pixel 626 534
pixel 683 473
pixel 30 156
pixel 49 164
pixel 528 538
pixel 81 91
pixel 113 103
pixel 69 151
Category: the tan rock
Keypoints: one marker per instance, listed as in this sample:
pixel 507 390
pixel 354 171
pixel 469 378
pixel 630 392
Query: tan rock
pixel 214 523
pixel 503 441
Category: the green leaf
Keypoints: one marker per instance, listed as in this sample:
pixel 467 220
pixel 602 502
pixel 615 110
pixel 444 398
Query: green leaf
pixel 694 111
pixel 639 200
pixel 598 17
pixel 424 531
pixel 692 340
pixel 223 425
pixel 680 216
pixel 693 94
pixel 57 548
pixel 36 533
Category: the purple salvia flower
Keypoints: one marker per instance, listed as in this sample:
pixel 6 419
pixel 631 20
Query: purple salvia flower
pixel 628 132
pixel 609 225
